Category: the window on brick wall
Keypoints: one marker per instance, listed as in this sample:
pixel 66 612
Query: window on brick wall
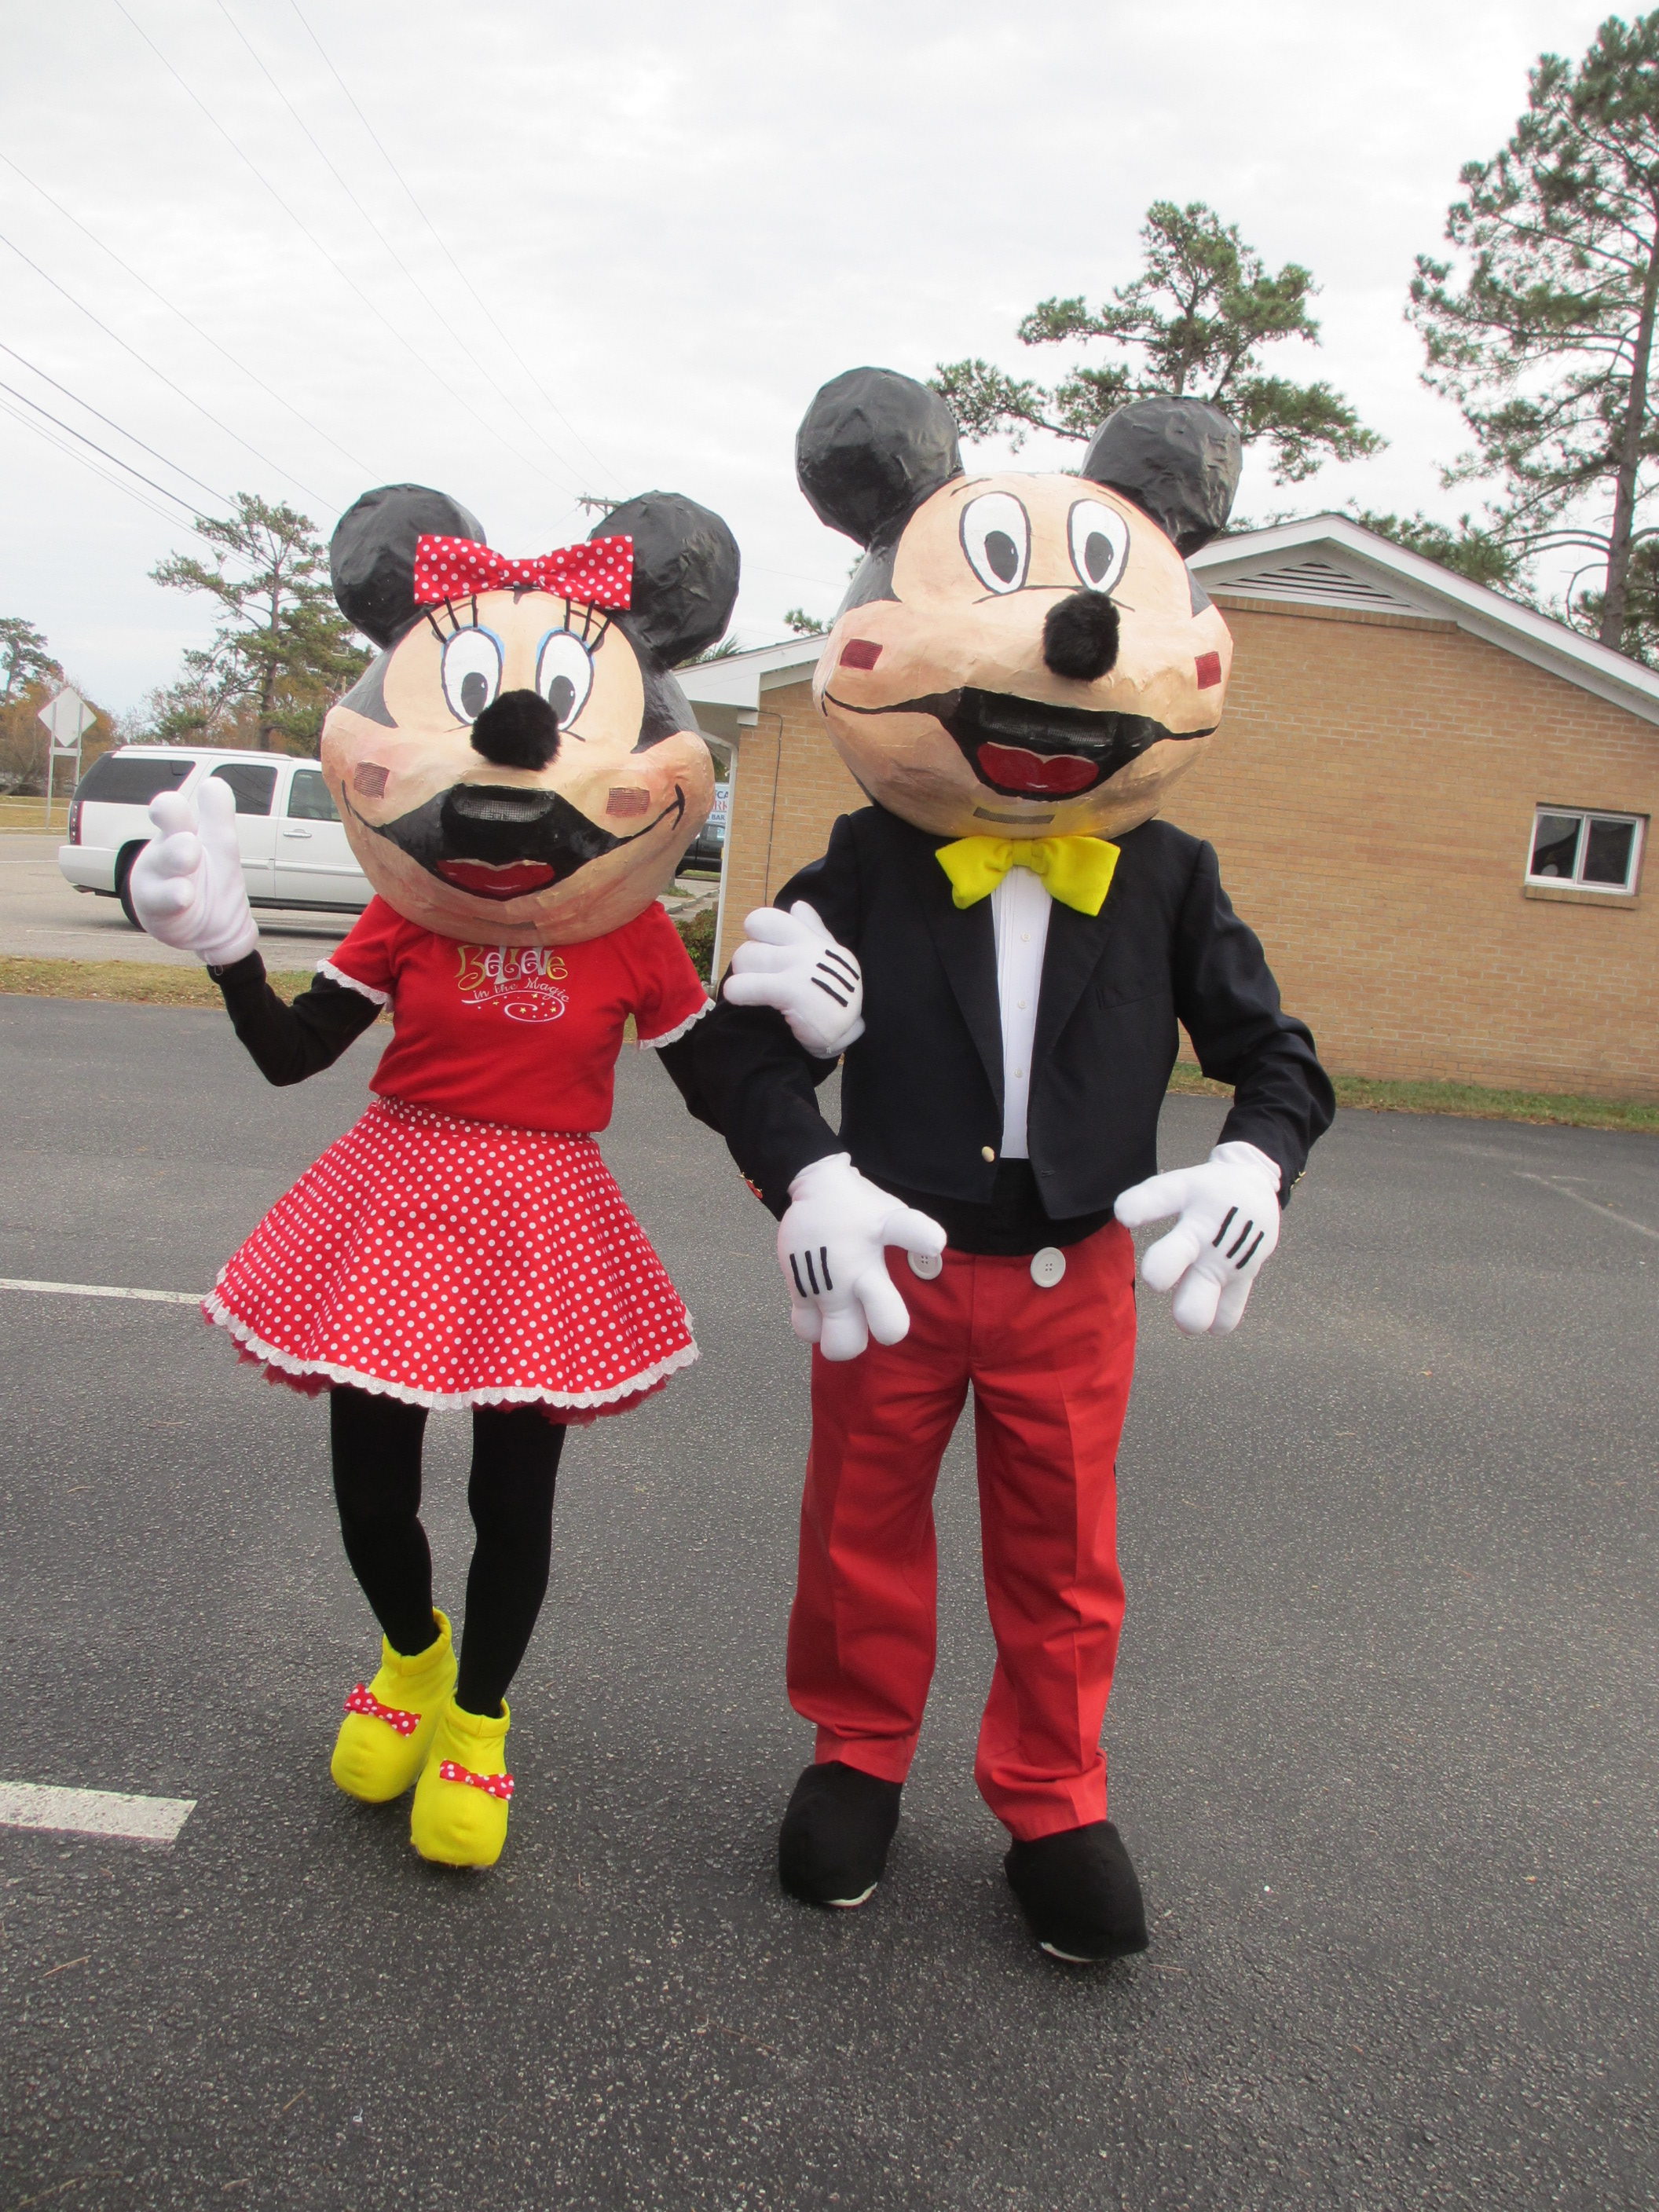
pixel 1588 852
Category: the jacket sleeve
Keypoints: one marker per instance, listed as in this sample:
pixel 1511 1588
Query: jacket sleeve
pixel 288 1043
pixel 741 1071
pixel 1226 996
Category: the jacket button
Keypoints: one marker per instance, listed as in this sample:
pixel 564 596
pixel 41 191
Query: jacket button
pixel 1048 1266
pixel 986 1152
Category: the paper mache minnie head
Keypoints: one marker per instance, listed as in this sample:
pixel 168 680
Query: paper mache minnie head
pixel 519 766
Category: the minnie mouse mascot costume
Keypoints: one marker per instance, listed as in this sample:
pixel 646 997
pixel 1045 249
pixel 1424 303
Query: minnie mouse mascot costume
pixel 519 776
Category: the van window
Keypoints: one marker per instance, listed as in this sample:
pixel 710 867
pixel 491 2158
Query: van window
pixel 309 798
pixel 118 779
pixel 252 784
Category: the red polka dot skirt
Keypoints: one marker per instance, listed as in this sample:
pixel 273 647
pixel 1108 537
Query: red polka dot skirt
pixel 448 1262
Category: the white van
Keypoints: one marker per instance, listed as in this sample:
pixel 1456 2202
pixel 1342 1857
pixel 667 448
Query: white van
pixel 295 851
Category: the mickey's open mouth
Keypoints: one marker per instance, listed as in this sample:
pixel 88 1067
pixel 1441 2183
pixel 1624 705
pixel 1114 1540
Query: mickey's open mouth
pixel 1027 749
pixel 494 842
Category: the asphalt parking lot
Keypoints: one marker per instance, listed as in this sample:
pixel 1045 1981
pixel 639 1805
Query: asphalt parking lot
pixel 1383 1742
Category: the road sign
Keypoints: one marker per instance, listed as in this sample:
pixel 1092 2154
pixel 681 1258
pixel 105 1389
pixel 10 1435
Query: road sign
pixel 68 717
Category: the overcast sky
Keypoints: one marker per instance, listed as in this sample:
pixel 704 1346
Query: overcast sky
pixel 680 220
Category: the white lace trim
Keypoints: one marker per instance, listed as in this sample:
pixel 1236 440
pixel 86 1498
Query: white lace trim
pixel 440 1402
pixel 673 1036
pixel 339 975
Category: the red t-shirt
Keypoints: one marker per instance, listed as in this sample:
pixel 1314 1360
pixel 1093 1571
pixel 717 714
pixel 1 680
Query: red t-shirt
pixel 528 1034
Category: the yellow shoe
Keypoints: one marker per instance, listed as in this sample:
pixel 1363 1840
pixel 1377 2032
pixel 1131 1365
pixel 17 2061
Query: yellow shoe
pixel 459 1816
pixel 390 1723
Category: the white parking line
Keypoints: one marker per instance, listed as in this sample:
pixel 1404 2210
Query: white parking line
pixel 93 1812
pixel 100 1291
pixel 1578 1199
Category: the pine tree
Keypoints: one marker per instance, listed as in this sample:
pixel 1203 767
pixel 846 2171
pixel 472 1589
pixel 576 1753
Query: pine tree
pixel 1192 324
pixel 281 654
pixel 1544 336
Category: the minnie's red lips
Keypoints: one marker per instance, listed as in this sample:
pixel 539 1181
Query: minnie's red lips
pixel 1045 776
pixel 512 879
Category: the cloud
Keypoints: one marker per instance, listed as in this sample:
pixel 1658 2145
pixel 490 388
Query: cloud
pixel 684 219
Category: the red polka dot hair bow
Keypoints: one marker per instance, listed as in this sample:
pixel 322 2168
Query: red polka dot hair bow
pixel 600 572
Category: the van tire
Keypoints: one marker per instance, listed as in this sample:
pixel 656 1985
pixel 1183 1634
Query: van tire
pixel 128 854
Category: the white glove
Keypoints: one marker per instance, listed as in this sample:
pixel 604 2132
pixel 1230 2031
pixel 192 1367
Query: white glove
pixel 791 961
pixel 1228 1229
pixel 831 1246
pixel 187 886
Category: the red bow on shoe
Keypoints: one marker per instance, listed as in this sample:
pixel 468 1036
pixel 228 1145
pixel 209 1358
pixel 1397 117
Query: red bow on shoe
pixel 362 1701
pixel 599 572
pixel 498 1785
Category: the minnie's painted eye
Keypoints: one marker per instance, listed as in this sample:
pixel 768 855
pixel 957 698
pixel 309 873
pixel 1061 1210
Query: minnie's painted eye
pixel 472 672
pixel 564 674
pixel 996 536
pixel 1100 544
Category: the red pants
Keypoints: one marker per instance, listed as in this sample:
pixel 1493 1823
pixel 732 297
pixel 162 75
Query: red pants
pixel 1050 1370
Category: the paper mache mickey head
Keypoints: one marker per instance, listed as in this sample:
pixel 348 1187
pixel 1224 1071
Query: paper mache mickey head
pixel 1018 655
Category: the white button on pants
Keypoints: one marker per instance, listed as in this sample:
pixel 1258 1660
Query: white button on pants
pixel 1048 1266
pixel 927 1265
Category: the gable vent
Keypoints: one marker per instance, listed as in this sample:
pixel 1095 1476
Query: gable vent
pixel 1315 583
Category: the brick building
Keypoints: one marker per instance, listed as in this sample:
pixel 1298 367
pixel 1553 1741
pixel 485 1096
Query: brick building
pixel 1432 803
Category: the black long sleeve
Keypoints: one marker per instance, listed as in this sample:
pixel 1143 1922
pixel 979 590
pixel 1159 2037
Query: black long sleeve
pixel 1227 998
pixel 288 1043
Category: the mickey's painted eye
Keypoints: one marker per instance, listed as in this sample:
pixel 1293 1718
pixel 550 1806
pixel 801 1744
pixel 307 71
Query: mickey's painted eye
pixel 996 536
pixel 472 672
pixel 1100 544
pixel 564 674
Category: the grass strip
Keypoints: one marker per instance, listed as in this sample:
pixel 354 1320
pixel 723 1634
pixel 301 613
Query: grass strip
pixel 1468 1101
pixel 144 983
pixel 128 982
pixel 31 814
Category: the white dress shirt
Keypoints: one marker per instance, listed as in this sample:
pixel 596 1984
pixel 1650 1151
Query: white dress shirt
pixel 1019 908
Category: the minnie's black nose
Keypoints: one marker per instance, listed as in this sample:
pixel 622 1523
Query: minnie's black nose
pixel 1079 637
pixel 518 729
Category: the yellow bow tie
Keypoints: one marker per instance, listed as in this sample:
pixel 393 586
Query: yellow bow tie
pixel 1078 871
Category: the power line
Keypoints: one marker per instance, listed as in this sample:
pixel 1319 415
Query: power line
pixel 482 303
pixel 206 337
pixel 322 155
pixel 263 460
pixel 35 370
pixel 119 483
pixel 71 431
pixel 309 234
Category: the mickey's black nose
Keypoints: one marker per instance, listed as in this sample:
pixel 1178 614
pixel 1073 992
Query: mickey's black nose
pixel 518 729
pixel 1079 637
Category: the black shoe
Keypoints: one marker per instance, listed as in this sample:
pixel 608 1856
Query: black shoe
pixel 833 1843
pixel 1079 1894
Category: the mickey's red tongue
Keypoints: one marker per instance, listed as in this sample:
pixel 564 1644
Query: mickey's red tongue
pixel 1044 775
pixel 511 880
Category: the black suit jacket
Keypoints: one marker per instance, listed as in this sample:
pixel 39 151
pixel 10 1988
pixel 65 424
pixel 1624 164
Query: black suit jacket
pixel 921 1090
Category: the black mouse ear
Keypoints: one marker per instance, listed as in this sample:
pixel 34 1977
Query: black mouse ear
pixel 1177 459
pixel 371 555
pixel 685 574
pixel 872 446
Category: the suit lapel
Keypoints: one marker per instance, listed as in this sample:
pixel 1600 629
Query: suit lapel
pixel 966 943
pixel 1076 943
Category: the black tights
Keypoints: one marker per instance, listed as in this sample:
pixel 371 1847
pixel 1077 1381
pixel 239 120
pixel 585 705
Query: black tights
pixel 376 1443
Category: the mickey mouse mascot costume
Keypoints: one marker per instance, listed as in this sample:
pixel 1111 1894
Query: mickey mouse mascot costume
pixel 1001 944
pixel 519 774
